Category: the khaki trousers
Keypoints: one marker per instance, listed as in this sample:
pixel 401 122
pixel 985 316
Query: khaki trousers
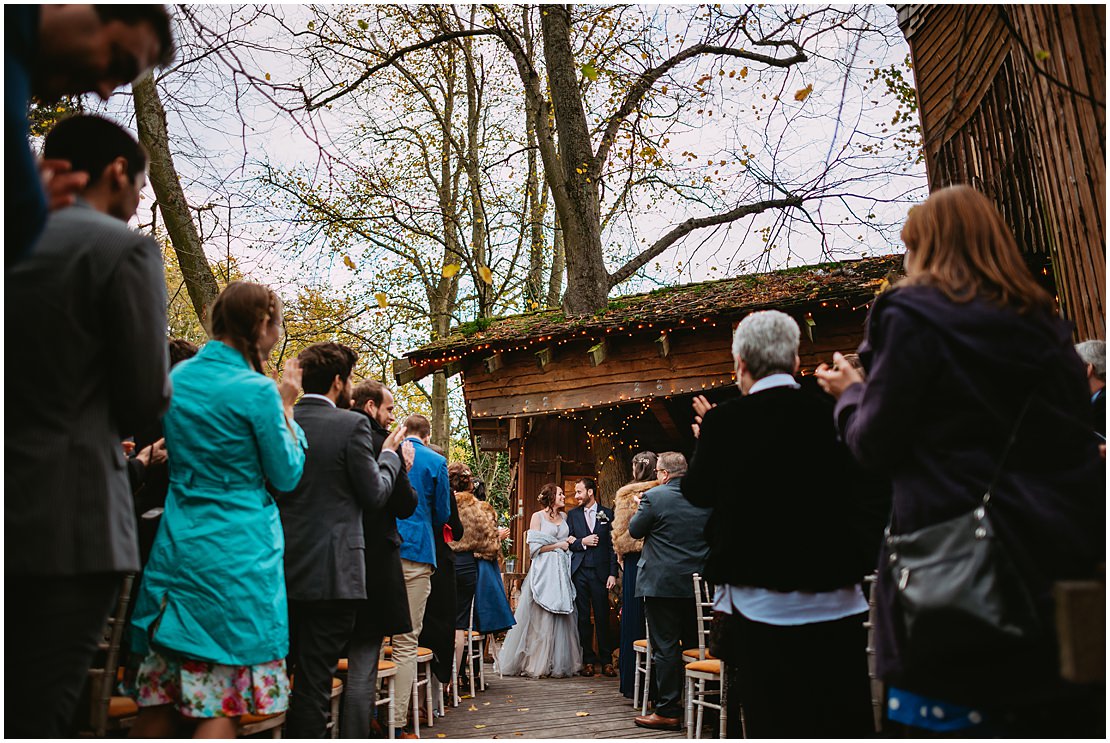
pixel 418 585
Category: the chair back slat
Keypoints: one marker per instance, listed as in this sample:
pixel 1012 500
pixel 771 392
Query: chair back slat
pixel 703 599
pixel 102 680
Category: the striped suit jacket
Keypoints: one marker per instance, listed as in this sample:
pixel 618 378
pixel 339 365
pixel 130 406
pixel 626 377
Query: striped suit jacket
pixel 85 340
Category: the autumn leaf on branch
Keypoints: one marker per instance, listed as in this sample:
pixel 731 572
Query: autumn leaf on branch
pixel 485 274
pixel 348 262
pixel 382 298
pixel 450 270
pixel 802 94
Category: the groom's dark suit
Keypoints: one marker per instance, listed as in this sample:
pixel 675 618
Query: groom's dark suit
pixel 325 549
pixel 590 568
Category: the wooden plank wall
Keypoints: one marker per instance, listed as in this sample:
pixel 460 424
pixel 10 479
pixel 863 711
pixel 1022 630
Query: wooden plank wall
pixel 698 360
pixel 1027 131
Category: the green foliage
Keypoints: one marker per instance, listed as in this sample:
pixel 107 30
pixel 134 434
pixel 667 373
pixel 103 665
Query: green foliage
pixel 894 80
pixel 44 116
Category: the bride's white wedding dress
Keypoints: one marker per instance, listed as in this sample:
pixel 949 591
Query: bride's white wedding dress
pixel 544 641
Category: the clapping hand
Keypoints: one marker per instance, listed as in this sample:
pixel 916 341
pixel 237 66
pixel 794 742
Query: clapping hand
pixel 290 384
pixel 408 454
pixel 395 439
pixel 701 407
pixel 60 183
pixel 839 377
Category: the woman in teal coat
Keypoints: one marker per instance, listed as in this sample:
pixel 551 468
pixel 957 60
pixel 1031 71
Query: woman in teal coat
pixel 211 616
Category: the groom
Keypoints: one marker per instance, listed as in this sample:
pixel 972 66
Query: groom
pixel 594 570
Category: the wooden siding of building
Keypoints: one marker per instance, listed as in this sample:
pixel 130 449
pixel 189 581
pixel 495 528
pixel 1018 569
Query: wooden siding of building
pixel 698 360
pixel 1012 101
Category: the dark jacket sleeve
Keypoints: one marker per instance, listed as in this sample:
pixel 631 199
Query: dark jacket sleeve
pixel 454 521
pixel 136 474
pixel 614 566
pixel 873 418
pixel 137 351
pixel 371 479
pixel 642 521
pixel 402 500
pixel 572 524
pixel 712 456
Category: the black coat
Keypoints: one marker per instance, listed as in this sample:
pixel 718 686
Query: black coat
pixel 791 509
pixel 673 530
pixel 386 611
pixel 602 556
pixel 322 517
pixel 945 385
pixel 438 633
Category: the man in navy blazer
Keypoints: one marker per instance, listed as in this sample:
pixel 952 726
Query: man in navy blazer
pixel 594 571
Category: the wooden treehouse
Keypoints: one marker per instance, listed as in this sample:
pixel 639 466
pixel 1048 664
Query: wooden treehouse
pixel 577 397
pixel 1012 100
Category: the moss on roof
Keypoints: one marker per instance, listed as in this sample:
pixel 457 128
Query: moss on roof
pixel 723 298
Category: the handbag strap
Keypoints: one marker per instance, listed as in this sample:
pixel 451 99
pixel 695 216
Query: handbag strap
pixel 1009 445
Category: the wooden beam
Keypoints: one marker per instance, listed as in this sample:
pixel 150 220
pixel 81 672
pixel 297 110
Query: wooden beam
pixel 543 358
pixel 599 353
pixel 659 410
pixel 404 372
pixel 494 362
pixel 664 344
pixel 452 369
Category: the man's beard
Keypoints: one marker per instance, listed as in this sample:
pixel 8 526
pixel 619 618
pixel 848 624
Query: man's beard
pixel 343 402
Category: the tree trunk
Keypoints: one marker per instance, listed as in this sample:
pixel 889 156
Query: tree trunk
pixel 150 117
pixel 558 267
pixel 613 467
pixel 587 279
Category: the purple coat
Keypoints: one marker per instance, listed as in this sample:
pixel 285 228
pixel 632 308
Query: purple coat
pixel 945 384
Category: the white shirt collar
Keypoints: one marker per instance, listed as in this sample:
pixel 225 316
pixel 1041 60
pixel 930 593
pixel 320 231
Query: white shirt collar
pixel 325 398
pixel 773 380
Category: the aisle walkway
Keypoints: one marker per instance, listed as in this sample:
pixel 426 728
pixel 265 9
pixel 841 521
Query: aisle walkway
pixel 519 707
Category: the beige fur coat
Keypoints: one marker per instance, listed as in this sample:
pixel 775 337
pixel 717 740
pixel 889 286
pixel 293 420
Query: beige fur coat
pixel 479 522
pixel 625 506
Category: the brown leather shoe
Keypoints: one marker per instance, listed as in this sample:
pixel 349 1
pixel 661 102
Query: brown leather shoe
pixel 406 735
pixel 608 670
pixel 588 669
pixel 655 722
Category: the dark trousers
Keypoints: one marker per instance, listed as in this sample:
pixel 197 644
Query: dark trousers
pixel 318 632
pixel 51 629
pixel 589 586
pixel 803 681
pixel 672 623
pixel 362 683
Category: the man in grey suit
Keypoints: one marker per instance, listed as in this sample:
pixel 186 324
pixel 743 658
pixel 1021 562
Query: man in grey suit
pixel 673 531
pixel 325 547
pixel 85 326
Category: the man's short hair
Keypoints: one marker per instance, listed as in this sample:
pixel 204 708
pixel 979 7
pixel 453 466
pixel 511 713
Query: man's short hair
pixel 321 362
pixel 1094 353
pixel 154 14
pixel 589 483
pixel 91 144
pixel 369 390
pixel 180 350
pixel 673 462
pixel 767 342
pixel 418 425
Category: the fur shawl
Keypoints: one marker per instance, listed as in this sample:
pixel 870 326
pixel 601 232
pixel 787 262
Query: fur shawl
pixel 479 522
pixel 623 510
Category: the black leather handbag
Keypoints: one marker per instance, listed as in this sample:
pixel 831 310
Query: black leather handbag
pixel 959 597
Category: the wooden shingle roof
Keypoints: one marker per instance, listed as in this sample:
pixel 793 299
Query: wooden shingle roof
pixel 722 299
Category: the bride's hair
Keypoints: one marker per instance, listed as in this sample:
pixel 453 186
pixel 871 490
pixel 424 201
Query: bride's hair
pixel 547 494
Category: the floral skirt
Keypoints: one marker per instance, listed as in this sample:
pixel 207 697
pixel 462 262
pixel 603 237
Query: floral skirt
pixel 206 690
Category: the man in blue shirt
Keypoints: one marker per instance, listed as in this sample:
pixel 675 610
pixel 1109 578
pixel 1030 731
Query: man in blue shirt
pixel 428 477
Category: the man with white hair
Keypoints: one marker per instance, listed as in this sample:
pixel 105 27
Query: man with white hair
pixel 1093 354
pixel 795 528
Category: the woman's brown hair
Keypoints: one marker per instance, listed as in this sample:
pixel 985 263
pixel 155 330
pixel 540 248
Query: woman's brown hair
pixel 458 474
pixel 547 494
pixel 963 247
pixel 238 314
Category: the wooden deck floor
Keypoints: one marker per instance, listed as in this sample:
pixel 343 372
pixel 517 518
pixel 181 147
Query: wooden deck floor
pixel 543 708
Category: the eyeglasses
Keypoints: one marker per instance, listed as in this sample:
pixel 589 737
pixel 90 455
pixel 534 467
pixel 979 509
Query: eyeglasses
pixel 661 470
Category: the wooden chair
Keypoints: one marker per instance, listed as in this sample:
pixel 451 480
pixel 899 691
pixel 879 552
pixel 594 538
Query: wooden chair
pixel 704 601
pixel 642 649
pixel 878 693
pixel 253 724
pixel 475 664
pixel 109 712
pixel 387 672
pixel 423 678
pixel 700 672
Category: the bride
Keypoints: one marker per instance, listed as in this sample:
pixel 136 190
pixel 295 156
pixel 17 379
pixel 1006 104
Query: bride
pixel 544 641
